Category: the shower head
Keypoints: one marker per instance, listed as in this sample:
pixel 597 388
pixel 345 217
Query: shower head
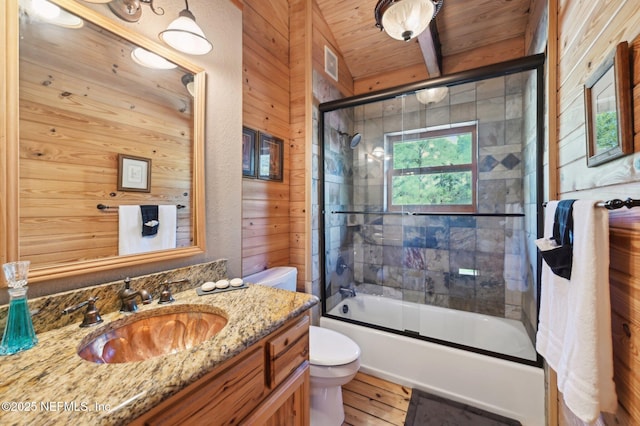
pixel 354 139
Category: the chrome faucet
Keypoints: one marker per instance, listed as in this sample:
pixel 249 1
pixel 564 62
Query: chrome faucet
pixel 128 297
pixel 347 292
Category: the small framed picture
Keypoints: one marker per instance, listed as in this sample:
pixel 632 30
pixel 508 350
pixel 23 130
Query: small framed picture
pixel 608 111
pixel 134 173
pixel 249 141
pixel 270 158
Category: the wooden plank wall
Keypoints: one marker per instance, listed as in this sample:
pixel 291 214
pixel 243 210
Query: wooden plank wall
pixel 266 108
pixel 74 123
pixel 587 32
pixel 301 138
pixel 279 53
pixel 322 36
pixel 625 305
pixel 486 55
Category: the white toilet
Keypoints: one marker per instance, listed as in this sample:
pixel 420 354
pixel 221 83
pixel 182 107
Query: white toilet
pixel 334 358
pixel 283 277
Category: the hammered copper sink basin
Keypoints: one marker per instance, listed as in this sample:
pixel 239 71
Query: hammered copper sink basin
pixel 149 334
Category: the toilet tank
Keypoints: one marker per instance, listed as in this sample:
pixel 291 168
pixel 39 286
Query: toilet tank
pixel 283 277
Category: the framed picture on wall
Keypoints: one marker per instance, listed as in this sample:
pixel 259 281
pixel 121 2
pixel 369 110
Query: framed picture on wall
pixel 249 140
pixel 270 153
pixel 608 114
pixel 134 173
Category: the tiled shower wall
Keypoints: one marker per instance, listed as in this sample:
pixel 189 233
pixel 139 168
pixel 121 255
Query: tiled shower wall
pixel 418 258
pixel 335 177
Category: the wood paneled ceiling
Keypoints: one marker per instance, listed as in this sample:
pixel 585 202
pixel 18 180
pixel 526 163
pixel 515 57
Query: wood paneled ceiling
pixel 462 25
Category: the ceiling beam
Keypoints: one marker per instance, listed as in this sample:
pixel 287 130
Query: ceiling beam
pixel 429 42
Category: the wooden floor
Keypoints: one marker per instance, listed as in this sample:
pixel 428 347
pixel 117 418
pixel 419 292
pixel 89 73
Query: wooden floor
pixel 372 401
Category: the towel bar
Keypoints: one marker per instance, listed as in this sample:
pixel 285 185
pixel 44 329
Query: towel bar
pixel 614 204
pixel 104 207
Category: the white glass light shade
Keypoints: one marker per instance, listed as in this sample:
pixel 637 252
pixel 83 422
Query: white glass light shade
pixel 150 60
pixel 52 14
pixel 432 95
pixel 378 152
pixel 406 19
pixel 185 35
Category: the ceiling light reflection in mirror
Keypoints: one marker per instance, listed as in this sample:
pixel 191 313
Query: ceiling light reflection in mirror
pixel 150 60
pixel 44 11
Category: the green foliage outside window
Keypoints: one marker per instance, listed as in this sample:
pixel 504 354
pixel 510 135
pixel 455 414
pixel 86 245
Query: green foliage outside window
pixel 433 171
pixel 436 188
pixel 607 130
pixel 439 151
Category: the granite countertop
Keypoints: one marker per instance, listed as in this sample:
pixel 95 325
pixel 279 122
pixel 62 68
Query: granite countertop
pixel 51 384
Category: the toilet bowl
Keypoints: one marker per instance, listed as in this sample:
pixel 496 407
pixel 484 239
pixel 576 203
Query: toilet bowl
pixel 334 358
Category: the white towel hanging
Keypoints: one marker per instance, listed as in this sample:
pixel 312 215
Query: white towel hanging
pixel 130 239
pixel 574 332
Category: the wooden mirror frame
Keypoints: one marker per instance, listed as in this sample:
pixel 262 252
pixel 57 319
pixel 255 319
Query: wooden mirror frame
pixel 616 63
pixel 10 149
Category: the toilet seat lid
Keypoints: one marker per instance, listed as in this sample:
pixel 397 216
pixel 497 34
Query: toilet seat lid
pixel 328 347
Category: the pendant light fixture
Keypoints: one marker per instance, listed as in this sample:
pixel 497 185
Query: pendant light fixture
pixel 405 19
pixel 432 95
pixel 182 34
pixel 185 35
pixel 129 10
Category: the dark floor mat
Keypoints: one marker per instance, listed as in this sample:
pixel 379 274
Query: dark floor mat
pixel 430 410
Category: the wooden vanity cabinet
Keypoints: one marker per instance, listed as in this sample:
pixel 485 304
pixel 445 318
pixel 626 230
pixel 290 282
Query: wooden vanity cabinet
pixel 267 384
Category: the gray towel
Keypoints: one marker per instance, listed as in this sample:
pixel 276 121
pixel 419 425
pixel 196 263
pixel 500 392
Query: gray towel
pixel 150 221
pixel 560 258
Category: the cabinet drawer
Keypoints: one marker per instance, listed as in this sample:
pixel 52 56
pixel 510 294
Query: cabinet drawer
pixel 224 400
pixel 287 351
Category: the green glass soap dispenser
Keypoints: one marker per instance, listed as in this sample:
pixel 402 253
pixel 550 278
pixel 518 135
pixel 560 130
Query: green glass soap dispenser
pixel 19 334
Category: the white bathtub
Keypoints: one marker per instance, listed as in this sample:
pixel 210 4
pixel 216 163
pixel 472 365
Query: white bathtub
pixel 503 387
pixel 505 336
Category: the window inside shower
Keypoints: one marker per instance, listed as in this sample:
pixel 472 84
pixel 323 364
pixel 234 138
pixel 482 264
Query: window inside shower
pixel 429 209
pixel 432 169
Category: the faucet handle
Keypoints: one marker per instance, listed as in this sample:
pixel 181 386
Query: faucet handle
pixel 145 296
pixel 91 315
pixel 165 295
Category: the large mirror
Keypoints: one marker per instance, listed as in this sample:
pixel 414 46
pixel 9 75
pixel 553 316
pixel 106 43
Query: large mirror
pixel 99 121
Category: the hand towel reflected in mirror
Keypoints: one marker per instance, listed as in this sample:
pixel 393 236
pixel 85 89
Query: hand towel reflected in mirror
pixel 131 228
pixel 150 220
